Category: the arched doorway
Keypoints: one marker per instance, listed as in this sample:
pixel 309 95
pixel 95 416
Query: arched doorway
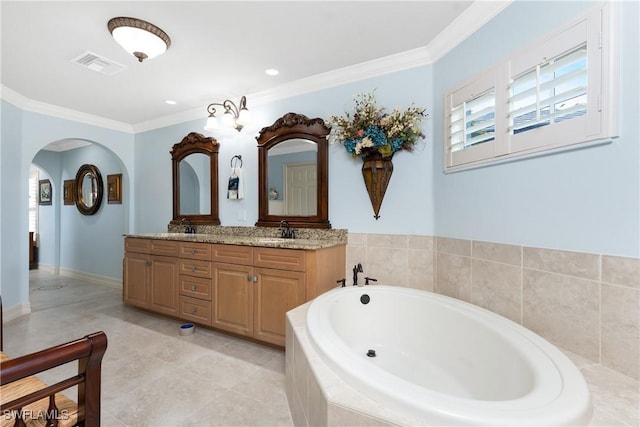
pixel 73 244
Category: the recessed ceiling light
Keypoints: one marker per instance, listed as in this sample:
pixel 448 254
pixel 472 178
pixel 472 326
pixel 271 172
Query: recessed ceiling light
pixel 272 71
pixel 170 102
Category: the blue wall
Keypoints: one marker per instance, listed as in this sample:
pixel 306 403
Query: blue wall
pixel 408 204
pixel 584 200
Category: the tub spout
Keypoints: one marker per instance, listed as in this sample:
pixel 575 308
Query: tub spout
pixel 356 269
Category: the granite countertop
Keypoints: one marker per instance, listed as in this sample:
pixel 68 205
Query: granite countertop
pixel 246 240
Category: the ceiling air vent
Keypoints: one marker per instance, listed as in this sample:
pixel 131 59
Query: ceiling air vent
pixel 98 63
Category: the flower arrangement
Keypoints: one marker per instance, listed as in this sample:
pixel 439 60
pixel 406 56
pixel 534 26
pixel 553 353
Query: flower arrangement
pixel 371 129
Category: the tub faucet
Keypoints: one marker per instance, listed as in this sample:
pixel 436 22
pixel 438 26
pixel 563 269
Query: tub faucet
pixel 356 269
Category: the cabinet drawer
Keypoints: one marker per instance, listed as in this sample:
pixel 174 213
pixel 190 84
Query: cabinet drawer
pixel 281 259
pixel 195 268
pixel 195 310
pixel 232 254
pixel 132 244
pixel 195 287
pixel 164 247
pixel 201 251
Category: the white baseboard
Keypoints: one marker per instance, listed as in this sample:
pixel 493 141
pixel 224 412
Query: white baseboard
pixel 103 280
pixel 15 311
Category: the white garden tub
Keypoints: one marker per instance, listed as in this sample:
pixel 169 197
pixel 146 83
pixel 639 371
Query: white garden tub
pixel 444 361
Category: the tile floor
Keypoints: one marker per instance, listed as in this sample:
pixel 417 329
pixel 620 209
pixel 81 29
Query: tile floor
pixel 152 376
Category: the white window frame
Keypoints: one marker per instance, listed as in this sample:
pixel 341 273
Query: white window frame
pixel 34 177
pixel 597 30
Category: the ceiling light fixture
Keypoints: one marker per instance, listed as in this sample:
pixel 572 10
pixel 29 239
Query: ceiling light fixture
pixel 140 38
pixel 235 117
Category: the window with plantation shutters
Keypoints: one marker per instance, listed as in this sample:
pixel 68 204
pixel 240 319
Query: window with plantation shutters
pixel 558 92
pixel 473 122
pixel 549 93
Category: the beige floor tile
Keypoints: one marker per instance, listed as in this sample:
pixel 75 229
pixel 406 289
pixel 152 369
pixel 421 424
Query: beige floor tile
pixel 150 374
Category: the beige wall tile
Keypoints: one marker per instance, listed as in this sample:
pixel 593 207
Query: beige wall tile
pixel 427 243
pixel 621 329
pixel 357 239
pixel 498 252
pixel 579 264
pixel 453 276
pixel 497 287
pixel 621 271
pixel 421 269
pixel 453 246
pixel 387 241
pixel 390 267
pixel 564 310
pixel 355 255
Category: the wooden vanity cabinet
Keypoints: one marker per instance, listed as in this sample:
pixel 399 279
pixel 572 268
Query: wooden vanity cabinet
pixel 151 275
pixel 195 282
pixel 244 290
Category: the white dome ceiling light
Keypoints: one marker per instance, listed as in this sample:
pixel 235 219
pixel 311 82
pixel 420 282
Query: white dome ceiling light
pixel 140 38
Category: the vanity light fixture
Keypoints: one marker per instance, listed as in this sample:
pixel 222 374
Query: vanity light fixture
pixel 140 38
pixel 235 117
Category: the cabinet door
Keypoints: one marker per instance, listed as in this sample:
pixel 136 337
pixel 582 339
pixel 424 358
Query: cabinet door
pixel 164 285
pixel 276 292
pixel 233 298
pixel 135 289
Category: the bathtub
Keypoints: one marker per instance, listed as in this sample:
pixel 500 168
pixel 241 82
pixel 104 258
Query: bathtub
pixel 442 361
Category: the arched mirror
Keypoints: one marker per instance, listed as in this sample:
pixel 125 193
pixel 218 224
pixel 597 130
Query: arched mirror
pixel 293 173
pixel 89 189
pixel 195 180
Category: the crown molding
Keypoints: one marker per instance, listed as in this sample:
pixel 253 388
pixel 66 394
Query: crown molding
pixel 470 20
pixel 33 106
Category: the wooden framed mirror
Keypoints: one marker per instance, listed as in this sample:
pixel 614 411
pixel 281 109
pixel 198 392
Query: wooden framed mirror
pixel 293 170
pixel 195 180
pixel 89 189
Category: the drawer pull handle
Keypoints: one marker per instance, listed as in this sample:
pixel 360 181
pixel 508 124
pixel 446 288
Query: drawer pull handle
pixel 194 310
pixel 193 251
pixel 193 287
pixel 255 279
pixel 248 277
pixel 193 268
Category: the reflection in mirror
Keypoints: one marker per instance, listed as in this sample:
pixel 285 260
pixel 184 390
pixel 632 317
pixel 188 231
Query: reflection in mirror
pixel 293 174
pixel 195 185
pixel 195 180
pixel 89 189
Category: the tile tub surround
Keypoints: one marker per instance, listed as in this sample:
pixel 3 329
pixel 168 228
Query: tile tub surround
pixel 586 303
pixel 318 397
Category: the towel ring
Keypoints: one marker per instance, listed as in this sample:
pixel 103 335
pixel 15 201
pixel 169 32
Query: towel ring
pixel 236 158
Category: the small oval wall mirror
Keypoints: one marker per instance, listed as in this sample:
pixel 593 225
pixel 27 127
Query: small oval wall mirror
pixel 89 189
